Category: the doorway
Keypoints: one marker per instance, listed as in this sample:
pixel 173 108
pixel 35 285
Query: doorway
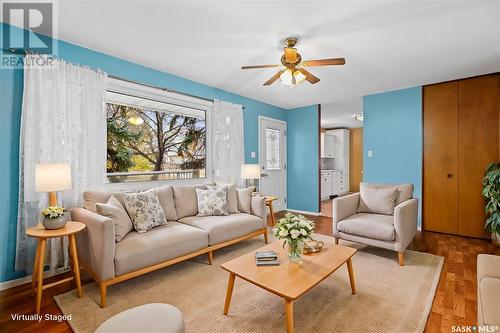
pixel 272 160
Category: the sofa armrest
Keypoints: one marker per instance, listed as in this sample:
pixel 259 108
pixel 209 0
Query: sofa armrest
pixel 343 207
pixel 96 244
pixel 258 208
pixel 488 265
pixel 405 223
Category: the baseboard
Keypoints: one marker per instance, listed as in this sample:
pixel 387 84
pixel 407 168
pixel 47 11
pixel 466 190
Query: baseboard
pixel 27 279
pixel 302 212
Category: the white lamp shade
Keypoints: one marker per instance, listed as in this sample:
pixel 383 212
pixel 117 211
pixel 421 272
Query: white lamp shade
pixel 250 171
pixel 52 177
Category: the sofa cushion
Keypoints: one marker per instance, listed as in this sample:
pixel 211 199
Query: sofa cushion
pixel 166 197
pixel 232 200
pixel 244 196
pixel 404 191
pixel 489 298
pixel 185 200
pixel 377 200
pixel 375 226
pixel 116 212
pixel 213 201
pixel 172 240
pixel 223 228
pixel 144 210
pixel 91 198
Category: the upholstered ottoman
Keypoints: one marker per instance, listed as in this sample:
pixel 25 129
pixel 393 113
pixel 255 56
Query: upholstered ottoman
pixel 151 318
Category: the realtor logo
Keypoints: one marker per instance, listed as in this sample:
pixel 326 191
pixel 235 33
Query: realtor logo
pixel 27 26
pixel 34 18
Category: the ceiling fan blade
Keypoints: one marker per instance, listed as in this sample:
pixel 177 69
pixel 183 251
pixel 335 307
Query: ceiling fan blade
pixel 290 54
pixel 274 78
pixel 324 62
pixel 259 66
pixel 309 76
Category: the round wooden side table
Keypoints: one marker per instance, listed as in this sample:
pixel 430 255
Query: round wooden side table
pixel 70 229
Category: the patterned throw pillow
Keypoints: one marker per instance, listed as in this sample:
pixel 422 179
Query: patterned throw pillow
pixel 212 202
pixel 144 210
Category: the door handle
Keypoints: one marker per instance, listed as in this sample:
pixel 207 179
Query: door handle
pixel 450 175
pixel 263 174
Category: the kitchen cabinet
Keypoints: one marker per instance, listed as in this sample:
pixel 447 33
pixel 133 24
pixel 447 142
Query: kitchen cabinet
pixel 327 145
pixel 326 185
pixel 338 181
pixel 341 161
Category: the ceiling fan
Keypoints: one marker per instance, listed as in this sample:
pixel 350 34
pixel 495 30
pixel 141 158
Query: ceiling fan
pixel 294 72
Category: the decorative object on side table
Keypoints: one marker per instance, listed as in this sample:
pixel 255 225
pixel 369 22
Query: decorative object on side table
pixel 294 230
pixel 54 217
pixel 491 191
pixel 312 246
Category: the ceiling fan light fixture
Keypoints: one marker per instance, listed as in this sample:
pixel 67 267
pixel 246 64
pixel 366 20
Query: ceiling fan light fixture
pixel 286 78
pixel 299 76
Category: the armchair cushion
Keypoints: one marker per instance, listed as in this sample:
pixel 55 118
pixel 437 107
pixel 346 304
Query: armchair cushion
pixel 404 191
pixel 377 200
pixel 375 226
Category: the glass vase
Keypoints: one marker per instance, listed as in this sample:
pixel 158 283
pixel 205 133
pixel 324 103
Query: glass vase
pixel 294 250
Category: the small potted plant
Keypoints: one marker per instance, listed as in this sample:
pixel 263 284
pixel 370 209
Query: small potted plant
pixel 54 217
pixel 491 192
pixel 294 230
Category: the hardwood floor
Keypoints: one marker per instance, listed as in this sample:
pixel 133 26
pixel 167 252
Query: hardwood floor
pixel 454 303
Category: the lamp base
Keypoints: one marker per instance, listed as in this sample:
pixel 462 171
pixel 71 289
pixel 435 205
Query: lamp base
pixel 52 199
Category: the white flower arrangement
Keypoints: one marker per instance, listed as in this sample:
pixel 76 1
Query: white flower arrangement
pixel 53 211
pixel 293 228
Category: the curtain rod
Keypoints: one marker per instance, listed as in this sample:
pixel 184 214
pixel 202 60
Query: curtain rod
pixel 22 51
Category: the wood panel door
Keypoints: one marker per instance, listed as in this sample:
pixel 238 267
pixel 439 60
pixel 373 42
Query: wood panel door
pixel 355 159
pixel 440 188
pixel 478 131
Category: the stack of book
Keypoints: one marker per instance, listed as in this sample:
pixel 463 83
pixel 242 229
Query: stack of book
pixel 267 258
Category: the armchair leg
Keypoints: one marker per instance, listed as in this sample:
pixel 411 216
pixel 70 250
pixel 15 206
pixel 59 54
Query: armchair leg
pixel 266 240
pixel 102 287
pixel 210 258
pixel 336 241
pixel 401 257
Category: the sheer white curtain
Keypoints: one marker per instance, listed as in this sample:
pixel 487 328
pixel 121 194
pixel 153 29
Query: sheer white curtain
pixel 227 142
pixel 63 121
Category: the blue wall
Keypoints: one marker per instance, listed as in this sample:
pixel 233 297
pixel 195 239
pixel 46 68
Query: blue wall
pixel 10 103
pixel 392 129
pixel 303 159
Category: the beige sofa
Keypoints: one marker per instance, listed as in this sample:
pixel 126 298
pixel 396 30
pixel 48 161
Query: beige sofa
pixel 392 232
pixel 184 236
pixel 488 290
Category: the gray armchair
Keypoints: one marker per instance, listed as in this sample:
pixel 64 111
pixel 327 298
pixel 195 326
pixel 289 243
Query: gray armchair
pixel 392 232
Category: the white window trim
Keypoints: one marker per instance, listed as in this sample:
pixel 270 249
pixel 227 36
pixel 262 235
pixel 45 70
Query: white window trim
pixel 125 87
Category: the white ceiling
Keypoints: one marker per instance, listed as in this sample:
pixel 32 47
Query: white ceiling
pixel 387 45
pixel 340 114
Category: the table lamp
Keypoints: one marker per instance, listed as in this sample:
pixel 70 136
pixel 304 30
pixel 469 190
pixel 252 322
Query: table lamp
pixel 250 172
pixel 52 178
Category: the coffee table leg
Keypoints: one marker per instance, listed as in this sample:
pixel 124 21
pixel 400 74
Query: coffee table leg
pixel 229 292
pixel 351 276
pixel 289 315
pixel 39 290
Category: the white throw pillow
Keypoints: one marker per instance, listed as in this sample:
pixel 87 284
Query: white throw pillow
pixel 232 200
pixel 377 200
pixel 213 201
pixel 144 210
pixel 115 211
pixel 244 196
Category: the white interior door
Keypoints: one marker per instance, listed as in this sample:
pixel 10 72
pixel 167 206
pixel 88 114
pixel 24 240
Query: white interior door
pixel 272 159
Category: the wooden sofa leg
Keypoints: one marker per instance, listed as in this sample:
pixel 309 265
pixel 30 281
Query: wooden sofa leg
pixel 401 257
pixel 210 257
pixel 266 240
pixel 336 241
pixel 102 287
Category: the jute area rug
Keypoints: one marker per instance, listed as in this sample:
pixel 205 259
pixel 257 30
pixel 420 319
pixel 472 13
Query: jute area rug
pixel 390 298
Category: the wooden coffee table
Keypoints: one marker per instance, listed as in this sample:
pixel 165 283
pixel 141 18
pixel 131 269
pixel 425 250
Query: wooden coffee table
pixel 289 280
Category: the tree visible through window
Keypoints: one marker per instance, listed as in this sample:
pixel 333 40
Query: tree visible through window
pixel 150 140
